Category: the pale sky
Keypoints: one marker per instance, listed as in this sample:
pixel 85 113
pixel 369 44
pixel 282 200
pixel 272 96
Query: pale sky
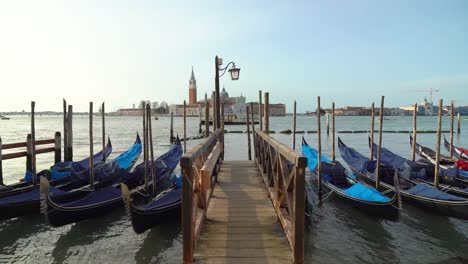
pixel 124 51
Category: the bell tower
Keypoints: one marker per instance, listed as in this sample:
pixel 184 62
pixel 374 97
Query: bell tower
pixel 192 89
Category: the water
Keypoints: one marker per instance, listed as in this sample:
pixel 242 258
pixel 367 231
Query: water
pixel 336 233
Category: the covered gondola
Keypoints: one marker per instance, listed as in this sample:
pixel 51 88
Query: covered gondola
pixel 419 194
pixel 61 211
pixel 59 174
pixel 342 184
pixel 106 173
pixel 460 153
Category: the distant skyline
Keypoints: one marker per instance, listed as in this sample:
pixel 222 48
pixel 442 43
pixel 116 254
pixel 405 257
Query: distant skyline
pixel 120 52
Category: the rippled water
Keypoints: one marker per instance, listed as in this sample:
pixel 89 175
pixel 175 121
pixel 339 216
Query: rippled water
pixel 336 233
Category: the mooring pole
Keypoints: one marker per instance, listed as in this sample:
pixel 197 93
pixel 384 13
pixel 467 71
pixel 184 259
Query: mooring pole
pixel 328 124
pixel 294 126
pixel 1 165
pixel 372 131
pixel 267 113
pixel 70 133
pixel 333 131
pixel 260 123
pixel 28 153
pixel 145 144
pixel 103 132
pixel 452 105
pixel 33 145
pixel 439 128
pixel 319 151
pixel 249 151
pixel 153 165
pixel 377 169
pixel 65 131
pixel 458 121
pixel 91 146
pixel 199 119
pixel 207 117
pixel 57 146
pixel 171 133
pixel 253 129
pixel 413 145
pixel 185 127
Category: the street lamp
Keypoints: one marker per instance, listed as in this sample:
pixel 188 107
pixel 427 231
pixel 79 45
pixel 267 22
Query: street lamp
pixel 234 76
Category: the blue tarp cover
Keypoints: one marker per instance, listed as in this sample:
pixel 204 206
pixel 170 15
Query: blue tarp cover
pixel 28 196
pixel 172 196
pixel 366 193
pixel 426 190
pixel 94 197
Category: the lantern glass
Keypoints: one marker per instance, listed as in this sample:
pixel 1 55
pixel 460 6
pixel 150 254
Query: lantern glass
pixel 234 73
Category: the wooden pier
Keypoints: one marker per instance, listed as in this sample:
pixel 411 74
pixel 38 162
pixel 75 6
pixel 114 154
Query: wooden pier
pixel 243 211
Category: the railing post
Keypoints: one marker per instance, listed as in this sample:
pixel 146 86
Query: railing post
pixel 207 117
pixel 187 226
pixel 299 218
pixel 65 131
pixel 260 110
pixel 58 144
pixel 249 151
pixel 28 153
pixel 70 133
pixel 267 112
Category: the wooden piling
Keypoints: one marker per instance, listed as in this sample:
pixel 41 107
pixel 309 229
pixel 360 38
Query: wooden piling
pixel 1 165
pixel 199 119
pixel 458 123
pixel 65 131
pixel 28 153
pixel 253 128
pixel 260 123
pixel 103 132
pixel 439 128
pixel 247 123
pixel 153 164
pixel 377 169
pixel 413 145
pixel 372 131
pixel 294 126
pixel 333 131
pixel 328 124
pixel 145 145
pixel 185 126
pixel 33 145
pixel 70 133
pixel 319 151
pixel 267 112
pixel 207 117
pixel 58 145
pixel 91 147
pixel 215 112
pixel 171 133
pixel 452 105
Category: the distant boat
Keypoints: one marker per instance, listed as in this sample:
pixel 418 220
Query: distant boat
pixel 2 117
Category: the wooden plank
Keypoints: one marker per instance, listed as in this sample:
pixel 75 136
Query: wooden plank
pixel 237 260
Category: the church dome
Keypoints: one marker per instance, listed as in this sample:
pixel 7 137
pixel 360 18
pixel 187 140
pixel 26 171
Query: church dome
pixel 224 94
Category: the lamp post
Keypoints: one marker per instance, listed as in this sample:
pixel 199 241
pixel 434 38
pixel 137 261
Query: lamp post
pixel 234 76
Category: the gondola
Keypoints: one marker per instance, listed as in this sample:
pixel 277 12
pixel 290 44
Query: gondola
pixel 60 212
pixel 446 163
pixel 57 174
pixel 419 194
pixel 106 173
pixel 460 153
pixel 336 179
pixel 146 211
pixel 420 171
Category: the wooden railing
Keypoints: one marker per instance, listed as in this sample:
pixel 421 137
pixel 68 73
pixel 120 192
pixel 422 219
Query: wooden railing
pixel 200 168
pixel 56 148
pixel 283 171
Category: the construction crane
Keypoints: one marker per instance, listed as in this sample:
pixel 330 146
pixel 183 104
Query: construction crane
pixel 430 90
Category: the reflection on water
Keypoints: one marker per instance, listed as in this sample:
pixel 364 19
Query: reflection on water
pixel 337 233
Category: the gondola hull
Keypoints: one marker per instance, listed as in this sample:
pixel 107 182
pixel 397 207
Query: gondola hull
pixel 142 221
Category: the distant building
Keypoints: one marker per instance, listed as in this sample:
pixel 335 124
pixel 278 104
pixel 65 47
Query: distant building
pixel 274 109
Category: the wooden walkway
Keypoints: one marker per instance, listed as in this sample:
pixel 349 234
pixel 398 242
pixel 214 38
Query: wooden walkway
pixel 241 223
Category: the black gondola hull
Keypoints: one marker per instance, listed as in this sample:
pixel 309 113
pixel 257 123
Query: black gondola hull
pixel 142 221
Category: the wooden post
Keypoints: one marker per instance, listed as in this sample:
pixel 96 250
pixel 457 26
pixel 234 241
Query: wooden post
pixel 171 133
pixel 299 210
pixel 319 151
pixel 187 214
pixel 91 147
pixel 333 131
pixel 58 145
pixel 222 117
pixel 458 123
pixel 452 105
pixel 207 117
pixel 294 126
pixel 215 111
pixel 145 145
pixel 413 145
pixel 103 132
pixel 70 133
pixel 372 131
pixel 1 165
pixel 260 110
pixel 249 151
pixel 267 113
pixel 377 169
pixel 328 124
pixel 253 128
pixel 199 119
pixel 65 131
pixel 185 127
pixel 439 128
pixel 28 153
pixel 33 145
pixel 153 167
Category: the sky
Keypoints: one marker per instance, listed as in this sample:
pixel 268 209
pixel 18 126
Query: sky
pixel 349 52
